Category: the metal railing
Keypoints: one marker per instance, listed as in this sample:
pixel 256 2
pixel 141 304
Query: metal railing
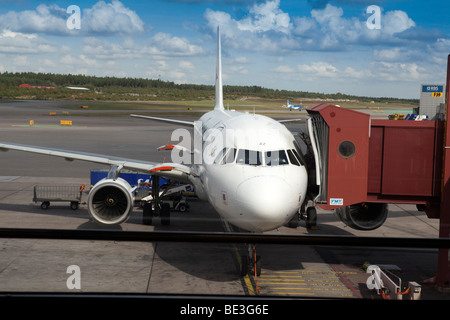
pixel 224 237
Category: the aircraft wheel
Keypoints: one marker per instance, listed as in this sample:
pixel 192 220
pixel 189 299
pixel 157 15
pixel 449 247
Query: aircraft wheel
pixel 244 266
pixel 311 217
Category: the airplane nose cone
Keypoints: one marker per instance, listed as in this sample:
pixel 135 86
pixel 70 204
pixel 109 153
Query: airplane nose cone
pixel 266 203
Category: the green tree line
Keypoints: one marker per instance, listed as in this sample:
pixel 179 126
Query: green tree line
pixel 113 88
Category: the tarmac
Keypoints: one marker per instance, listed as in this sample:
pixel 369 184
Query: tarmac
pixel 179 268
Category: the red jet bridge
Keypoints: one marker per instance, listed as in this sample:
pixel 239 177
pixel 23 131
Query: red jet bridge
pixel 362 164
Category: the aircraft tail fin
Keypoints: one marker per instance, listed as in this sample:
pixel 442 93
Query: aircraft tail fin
pixel 219 87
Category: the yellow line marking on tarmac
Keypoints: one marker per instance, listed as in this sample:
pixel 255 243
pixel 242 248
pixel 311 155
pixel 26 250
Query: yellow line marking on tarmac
pixel 249 285
pixel 300 284
pixel 283 272
pixel 291 288
pixel 294 293
pixel 282 277
pixel 284 280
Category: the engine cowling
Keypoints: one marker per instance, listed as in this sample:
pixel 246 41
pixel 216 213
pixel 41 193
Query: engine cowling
pixel 111 201
pixel 363 216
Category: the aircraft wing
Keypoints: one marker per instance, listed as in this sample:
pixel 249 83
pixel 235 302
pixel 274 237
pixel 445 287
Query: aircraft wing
pixel 190 123
pixel 291 120
pixel 170 170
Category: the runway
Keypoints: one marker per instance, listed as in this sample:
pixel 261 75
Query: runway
pixel 167 268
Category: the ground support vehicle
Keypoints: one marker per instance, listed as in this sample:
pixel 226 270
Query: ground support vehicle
pixel 47 194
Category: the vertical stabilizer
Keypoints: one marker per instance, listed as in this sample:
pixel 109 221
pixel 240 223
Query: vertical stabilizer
pixel 219 88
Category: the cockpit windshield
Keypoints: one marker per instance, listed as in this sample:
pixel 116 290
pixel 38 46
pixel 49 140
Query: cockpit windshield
pixel 275 158
pixel 250 157
pixel 258 158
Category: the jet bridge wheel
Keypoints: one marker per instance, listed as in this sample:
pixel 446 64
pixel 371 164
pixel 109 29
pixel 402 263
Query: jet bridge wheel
pixel 363 216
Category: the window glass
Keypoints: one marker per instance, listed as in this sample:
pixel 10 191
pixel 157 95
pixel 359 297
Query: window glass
pixel 220 156
pixel 276 158
pixel 249 157
pixel 292 158
pixel 230 156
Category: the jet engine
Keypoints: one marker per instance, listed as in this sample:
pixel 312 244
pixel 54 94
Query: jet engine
pixel 111 201
pixel 363 216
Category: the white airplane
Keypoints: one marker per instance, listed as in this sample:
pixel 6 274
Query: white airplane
pixel 256 182
pixel 293 106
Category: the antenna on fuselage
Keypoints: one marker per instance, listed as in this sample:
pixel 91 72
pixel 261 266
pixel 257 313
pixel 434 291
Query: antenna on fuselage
pixel 219 88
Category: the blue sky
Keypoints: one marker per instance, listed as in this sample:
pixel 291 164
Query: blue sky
pixel 311 45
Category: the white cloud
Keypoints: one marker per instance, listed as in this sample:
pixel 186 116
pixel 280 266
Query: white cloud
pixel 331 30
pixel 17 42
pixel 266 17
pixel 241 60
pixel 266 28
pixel 397 71
pixel 160 45
pixel 238 69
pixel 391 54
pixel 284 69
pixel 396 21
pixel 318 69
pixel 104 18
pixel 186 65
pixel 21 61
pixel 166 44
pixel 46 18
pixel 111 18
pixel 374 71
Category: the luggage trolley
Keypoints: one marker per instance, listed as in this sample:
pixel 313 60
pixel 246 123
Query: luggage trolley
pixel 45 194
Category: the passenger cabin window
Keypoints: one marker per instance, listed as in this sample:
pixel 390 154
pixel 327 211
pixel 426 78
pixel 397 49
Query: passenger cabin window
pixel 276 158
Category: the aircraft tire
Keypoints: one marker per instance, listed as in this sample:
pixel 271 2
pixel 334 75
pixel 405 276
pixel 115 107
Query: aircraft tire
pixel 244 266
pixel 311 217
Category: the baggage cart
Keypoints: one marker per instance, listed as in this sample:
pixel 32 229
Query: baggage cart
pixel 47 194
